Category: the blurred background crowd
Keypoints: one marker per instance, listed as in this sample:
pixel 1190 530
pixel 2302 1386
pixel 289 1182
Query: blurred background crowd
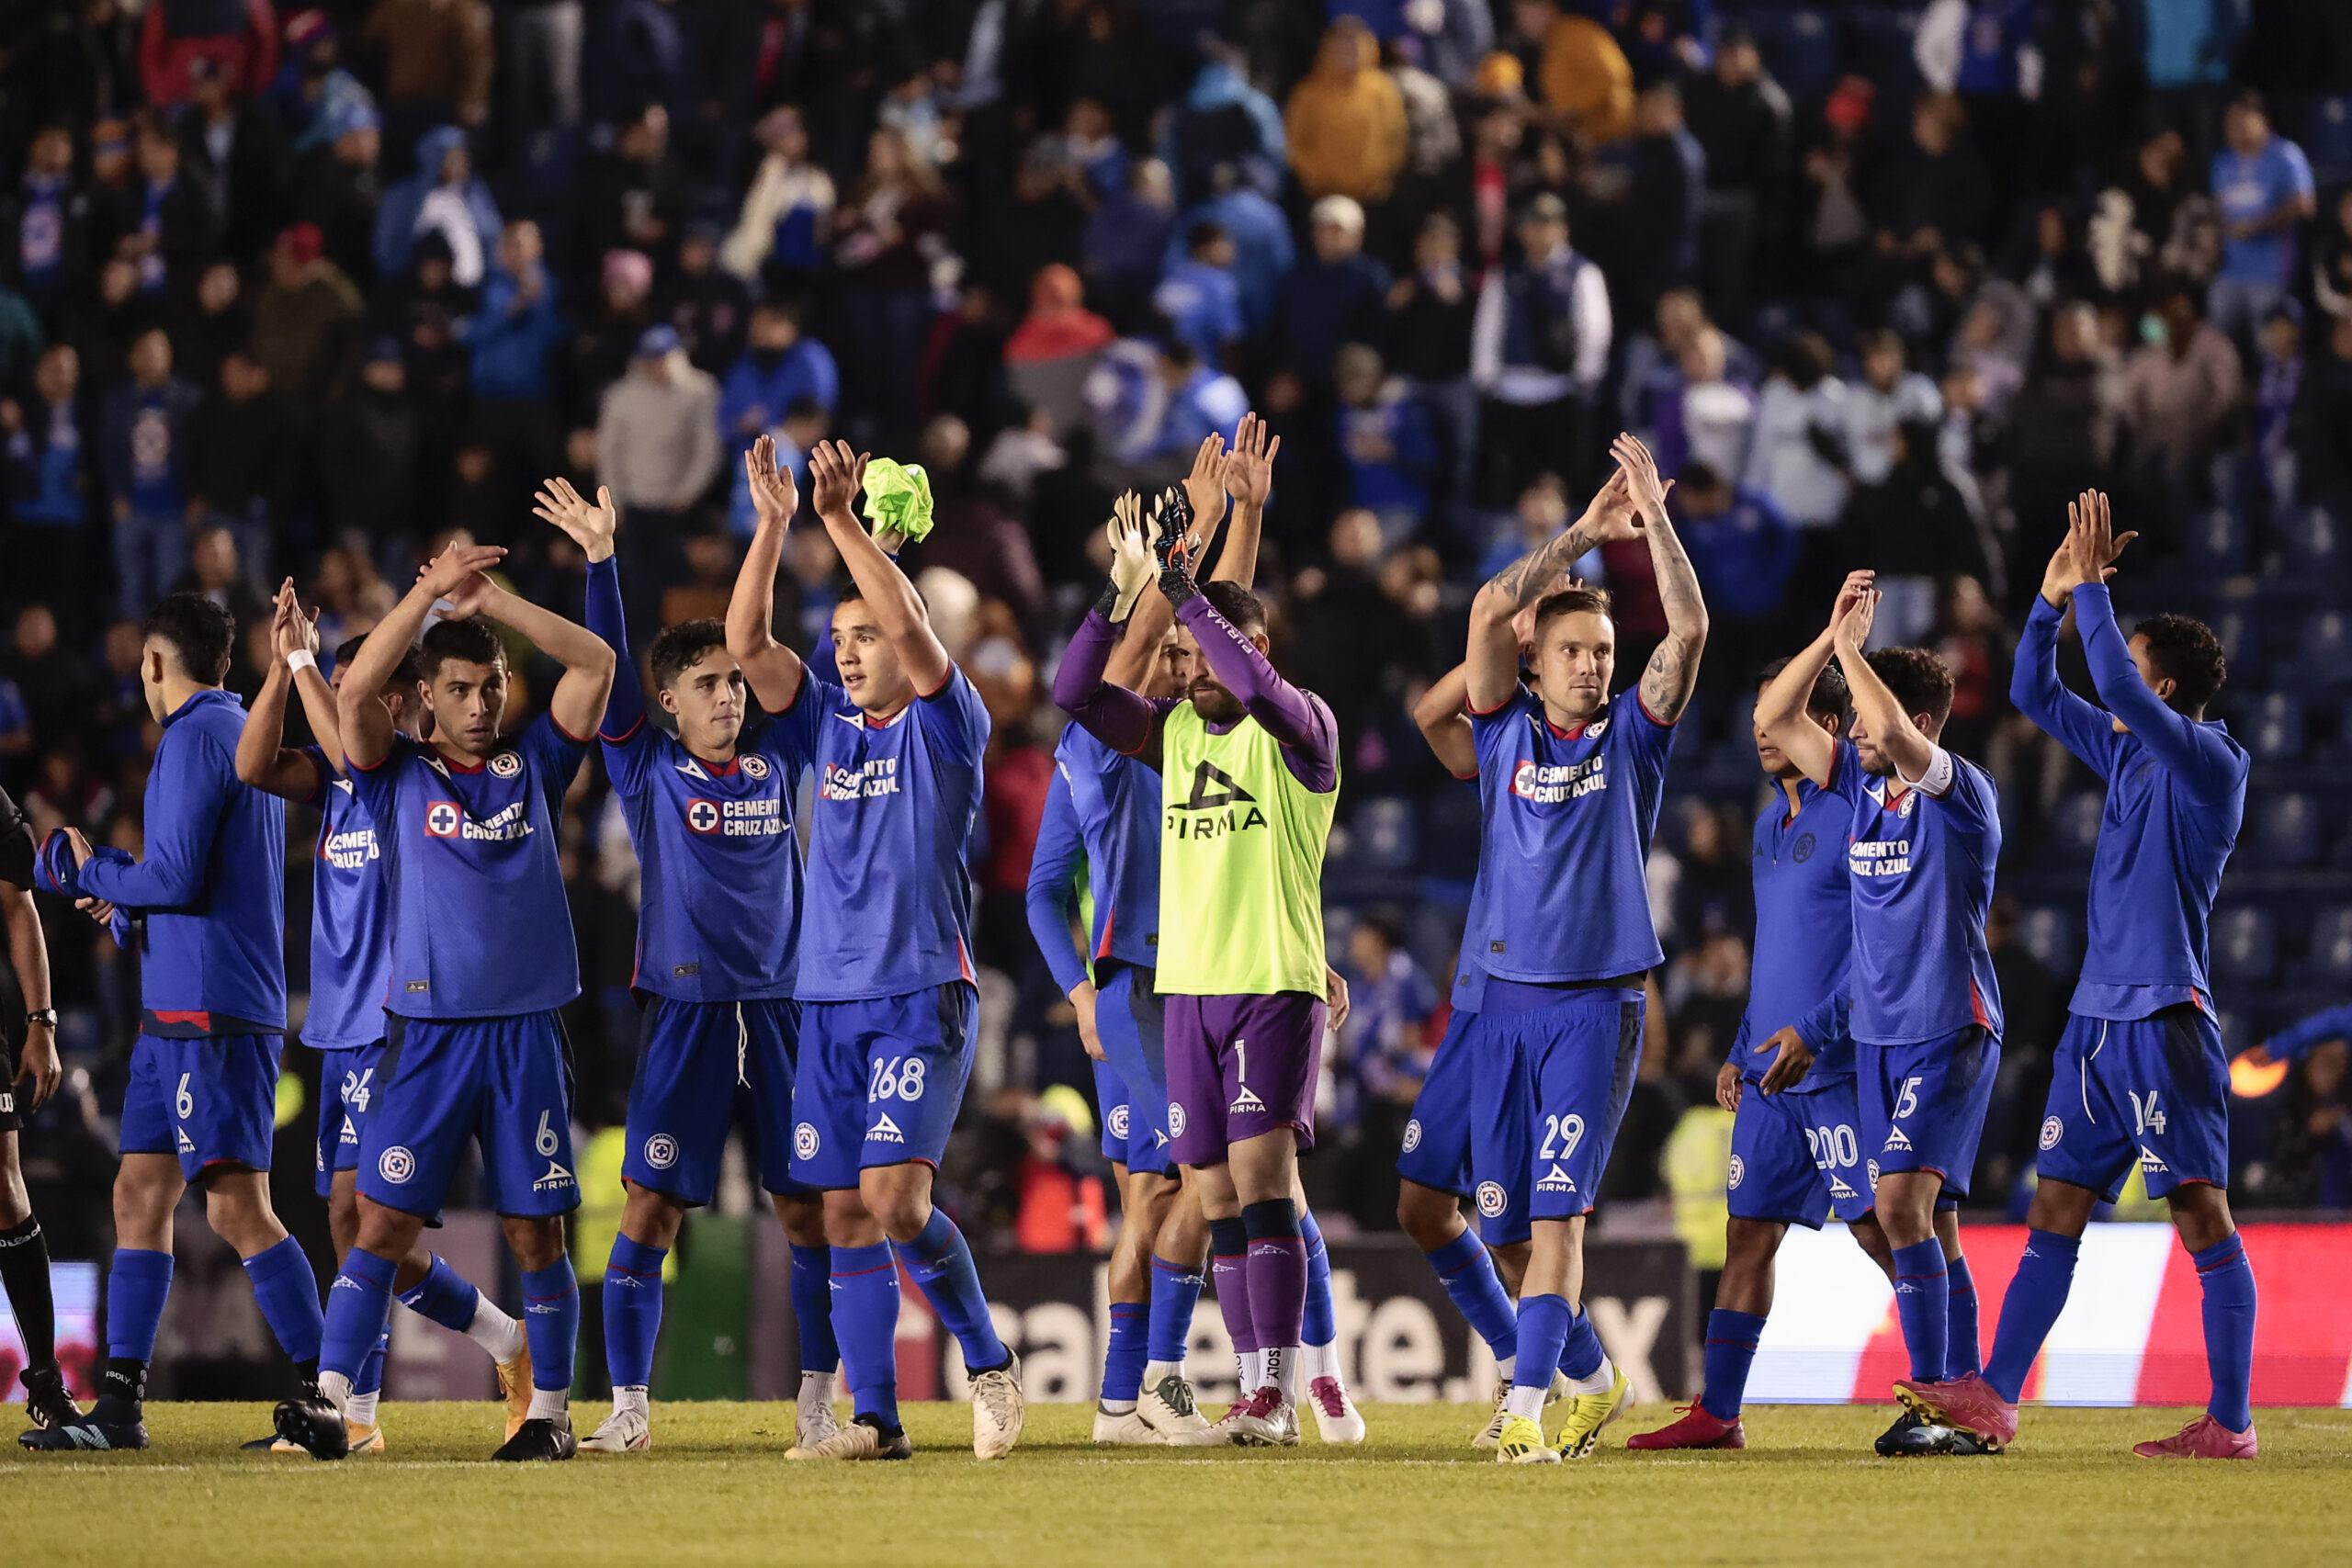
pixel 308 293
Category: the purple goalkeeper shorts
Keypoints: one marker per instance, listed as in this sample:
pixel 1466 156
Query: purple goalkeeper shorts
pixel 1238 1067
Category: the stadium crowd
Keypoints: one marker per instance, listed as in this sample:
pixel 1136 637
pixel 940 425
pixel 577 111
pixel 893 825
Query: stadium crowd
pixel 309 293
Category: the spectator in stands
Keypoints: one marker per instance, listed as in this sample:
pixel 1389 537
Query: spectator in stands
pixel 216 571
pixel 1580 73
pixel 1345 123
pixel 1335 294
pixel 437 58
pixel 236 38
pixel 1053 352
pixel 891 228
pixel 1745 128
pixel 709 306
pixel 442 197
pixel 1199 298
pixel 508 341
pixel 1659 219
pixel 49 447
pixel 1262 247
pixel 306 321
pixel 2181 387
pixel 1222 119
pixel 2263 183
pixel 778 369
pixel 335 188
pixel 234 146
pixel 1797 456
pixel 657 447
pixel 1430 311
pixel 165 219
pixel 1540 348
pixel 1715 417
pixel 1890 394
pixel 142 445
pixel 2323 464
pixel 1743 547
pixel 1385 443
pixel 370 447
pixel 236 474
pixel 785 221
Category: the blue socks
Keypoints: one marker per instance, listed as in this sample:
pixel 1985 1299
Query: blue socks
pixel 551 1320
pixel 1544 1323
pixel 289 1294
pixel 1317 1324
pixel 941 1262
pixel 1468 1275
pixel 359 1306
pixel 632 1311
pixel 1731 1350
pixel 1123 1363
pixel 812 1308
pixel 864 1289
pixel 137 1286
pixel 444 1296
pixel 1923 1305
pixel 2037 1295
pixel 2228 1281
pixel 1962 1350
pixel 371 1370
pixel 1580 1352
pixel 1175 1292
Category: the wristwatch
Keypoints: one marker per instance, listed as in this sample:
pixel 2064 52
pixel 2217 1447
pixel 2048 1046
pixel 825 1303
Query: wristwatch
pixel 41 1015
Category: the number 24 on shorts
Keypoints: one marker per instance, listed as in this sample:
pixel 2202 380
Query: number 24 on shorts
pixel 896 1077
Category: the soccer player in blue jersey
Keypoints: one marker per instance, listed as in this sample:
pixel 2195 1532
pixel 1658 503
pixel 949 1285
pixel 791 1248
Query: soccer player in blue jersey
pixel 710 809
pixel 482 956
pixel 1569 786
pixel 1789 1084
pixel 1923 1008
pixel 201 1104
pixel 29 1076
pixel 889 1000
pixel 351 959
pixel 2142 1078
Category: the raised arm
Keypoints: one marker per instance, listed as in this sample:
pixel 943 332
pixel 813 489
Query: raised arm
pixel 1445 727
pixel 2297 1038
pixel 594 528
pixel 577 703
pixel 1248 477
pixel 2034 685
pixel 1875 704
pixel 1493 657
pixel 835 473
pixel 364 723
pixel 1673 670
pixel 1120 718
pixel 1781 710
pixel 1139 641
pixel 264 759
pixel 773 670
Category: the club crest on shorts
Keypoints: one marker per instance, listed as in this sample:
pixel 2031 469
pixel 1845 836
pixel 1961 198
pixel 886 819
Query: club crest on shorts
pixel 2052 1131
pixel 1873 1174
pixel 804 1141
pixel 661 1151
pixel 1175 1119
pixel 755 766
pixel 1412 1135
pixel 1119 1121
pixel 702 816
pixel 1737 1174
pixel 506 765
pixel 1492 1200
pixel 395 1165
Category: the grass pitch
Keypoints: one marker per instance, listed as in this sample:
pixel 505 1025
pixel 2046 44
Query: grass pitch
pixel 717 1489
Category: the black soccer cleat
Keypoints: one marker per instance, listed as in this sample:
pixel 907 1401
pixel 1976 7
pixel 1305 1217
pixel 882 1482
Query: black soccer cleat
pixel 1911 1438
pixel 112 1426
pixel 46 1401
pixel 312 1423
pixel 541 1437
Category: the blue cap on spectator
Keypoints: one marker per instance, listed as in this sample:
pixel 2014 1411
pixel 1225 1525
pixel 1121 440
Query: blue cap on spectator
pixel 659 342
pixel 353 111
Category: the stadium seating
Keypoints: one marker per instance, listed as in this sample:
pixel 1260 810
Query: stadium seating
pixel 2246 947
pixel 2330 961
pixel 2048 932
pixel 2282 832
pixel 2275 732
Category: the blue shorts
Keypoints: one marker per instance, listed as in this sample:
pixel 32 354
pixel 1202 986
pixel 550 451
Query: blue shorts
pixel 1796 1158
pixel 1468 1131
pixel 211 1101
pixel 346 1088
pixel 695 1059
pixel 2153 1090
pixel 881 1081
pixel 1576 1060
pixel 1923 1104
pixel 504 1083
pixel 1133 1085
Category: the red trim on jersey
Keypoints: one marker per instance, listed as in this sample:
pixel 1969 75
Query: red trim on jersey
pixel 351 761
pixel 1559 734
pixel 1110 923
pixel 1467 778
pixel 1661 723
pixel 1894 794
pixel 964 962
pixel 926 696
pixel 201 1018
pixel 455 766
pixel 1145 744
pixel 1976 1007
pixel 620 739
pixel 556 725
pixel 1475 711
pixel 1836 755
pixel 2197 1000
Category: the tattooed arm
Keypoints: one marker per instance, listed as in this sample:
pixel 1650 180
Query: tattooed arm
pixel 1493 662
pixel 1673 670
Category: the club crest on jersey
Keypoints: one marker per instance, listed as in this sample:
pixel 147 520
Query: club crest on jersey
pixel 755 766
pixel 1737 1174
pixel 804 1141
pixel 661 1151
pixel 1492 1200
pixel 702 816
pixel 2052 1131
pixel 1412 1135
pixel 442 818
pixel 1218 805
pixel 1802 851
pixel 395 1165
pixel 506 765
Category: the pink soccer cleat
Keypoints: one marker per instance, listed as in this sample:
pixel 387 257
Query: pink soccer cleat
pixel 1967 1403
pixel 2201 1438
pixel 1696 1430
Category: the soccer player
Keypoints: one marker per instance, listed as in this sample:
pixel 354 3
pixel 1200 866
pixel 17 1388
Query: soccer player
pixel 1569 785
pixel 890 1005
pixel 1249 774
pixel 29 1074
pixel 2141 1075
pixel 1923 1008
pixel 351 963
pixel 201 1103
pixel 1789 1084
pixel 710 809
pixel 482 956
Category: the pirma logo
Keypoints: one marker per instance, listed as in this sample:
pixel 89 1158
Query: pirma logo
pixel 804 1141
pixel 2052 1131
pixel 395 1165
pixel 1739 1174
pixel 441 818
pixel 661 1151
pixel 506 765
pixel 702 816
pixel 1492 1200
pixel 1412 1135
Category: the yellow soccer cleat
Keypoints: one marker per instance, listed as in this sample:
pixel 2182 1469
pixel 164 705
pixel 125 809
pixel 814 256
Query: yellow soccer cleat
pixel 1588 1413
pixel 366 1439
pixel 515 1388
pixel 1521 1442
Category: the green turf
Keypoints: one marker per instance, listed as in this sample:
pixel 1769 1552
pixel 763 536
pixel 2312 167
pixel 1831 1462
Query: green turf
pixel 716 1489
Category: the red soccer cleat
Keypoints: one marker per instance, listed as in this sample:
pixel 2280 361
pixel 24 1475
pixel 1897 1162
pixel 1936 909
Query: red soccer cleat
pixel 1696 1430
pixel 2201 1438
pixel 1968 1404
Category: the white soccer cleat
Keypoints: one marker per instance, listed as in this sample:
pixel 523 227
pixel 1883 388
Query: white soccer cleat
pixel 1264 1420
pixel 815 1423
pixel 1169 1409
pixel 861 1440
pixel 1126 1429
pixel 625 1431
pixel 1337 1420
pixel 998 1411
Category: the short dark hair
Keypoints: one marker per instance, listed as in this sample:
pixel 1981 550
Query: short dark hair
pixel 403 673
pixel 1573 601
pixel 1917 677
pixel 1244 609
pixel 681 646
pixel 2184 650
pixel 1201 235
pixel 1828 697
pixel 469 642
pixel 200 634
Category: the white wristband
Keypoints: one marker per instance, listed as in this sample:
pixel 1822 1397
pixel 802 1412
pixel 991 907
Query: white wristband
pixel 301 659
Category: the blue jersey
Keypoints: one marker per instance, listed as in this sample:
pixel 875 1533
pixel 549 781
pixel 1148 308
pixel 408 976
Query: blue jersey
pixel 351 920
pixel 1921 867
pixel 1562 888
pixel 481 928
pixel 211 883
pixel 2176 796
pixel 1057 876
pixel 889 907
pixel 1116 799
pixel 1804 923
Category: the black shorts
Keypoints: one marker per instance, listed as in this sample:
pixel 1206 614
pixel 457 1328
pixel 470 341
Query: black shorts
pixel 11 1117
